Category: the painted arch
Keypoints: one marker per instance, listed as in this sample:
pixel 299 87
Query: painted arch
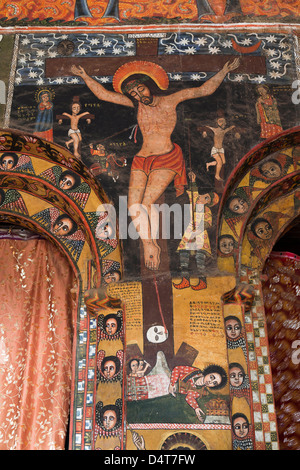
pixel 260 203
pixel 252 187
pixel 44 188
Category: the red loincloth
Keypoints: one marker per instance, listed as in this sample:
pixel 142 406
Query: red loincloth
pixel 169 161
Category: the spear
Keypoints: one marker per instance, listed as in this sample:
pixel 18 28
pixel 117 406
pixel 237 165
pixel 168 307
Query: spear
pixel 190 165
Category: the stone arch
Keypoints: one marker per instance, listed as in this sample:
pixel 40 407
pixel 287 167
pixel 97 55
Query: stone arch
pixel 44 188
pixel 260 202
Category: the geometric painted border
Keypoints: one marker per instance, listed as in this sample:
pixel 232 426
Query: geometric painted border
pixel 265 424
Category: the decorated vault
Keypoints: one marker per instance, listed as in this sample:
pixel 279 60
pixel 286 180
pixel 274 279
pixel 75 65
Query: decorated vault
pixel 156 145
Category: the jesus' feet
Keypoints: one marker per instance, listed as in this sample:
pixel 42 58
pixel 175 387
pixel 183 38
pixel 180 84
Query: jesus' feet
pixel 151 255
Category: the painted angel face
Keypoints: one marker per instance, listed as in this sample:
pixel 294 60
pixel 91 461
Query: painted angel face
pixel 7 163
pixel 238 205
pixel 109 419
pixel 105 232
pixel 67 182
pixel 240 427
pixel 111 326
pixel 271 170
pixel 233 328
pixel 263 230
pixel 112 276
pixel 109 369
pixel 157 334
pixel 63 227
pixel 236 376
pixel 226 245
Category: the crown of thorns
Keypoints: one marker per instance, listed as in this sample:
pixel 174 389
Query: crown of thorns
pixel 135 82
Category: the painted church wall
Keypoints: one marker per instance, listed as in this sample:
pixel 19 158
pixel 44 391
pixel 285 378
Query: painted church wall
pixel 174 316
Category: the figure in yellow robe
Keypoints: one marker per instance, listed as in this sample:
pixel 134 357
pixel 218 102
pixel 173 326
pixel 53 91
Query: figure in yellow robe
pixel 195 240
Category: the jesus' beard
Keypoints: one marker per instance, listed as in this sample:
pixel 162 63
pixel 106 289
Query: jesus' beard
pixel 147 100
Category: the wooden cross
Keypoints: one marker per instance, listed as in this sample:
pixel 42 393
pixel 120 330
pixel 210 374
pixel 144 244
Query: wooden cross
pixel 147 49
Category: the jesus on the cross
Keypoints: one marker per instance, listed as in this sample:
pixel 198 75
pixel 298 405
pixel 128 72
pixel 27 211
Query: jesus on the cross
pixel 143 85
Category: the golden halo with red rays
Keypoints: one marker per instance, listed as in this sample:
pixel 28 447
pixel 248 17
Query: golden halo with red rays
pixel 152 70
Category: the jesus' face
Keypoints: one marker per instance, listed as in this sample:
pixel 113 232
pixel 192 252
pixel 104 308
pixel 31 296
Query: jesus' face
pixel 212 380
pixel 141 93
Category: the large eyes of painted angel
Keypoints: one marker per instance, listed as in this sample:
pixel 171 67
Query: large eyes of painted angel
pixel 241 427
pixel 236 377
pixel 232 329
pixel 111 327
pixel 67 182
pixel 63 227
pixel 109 369
pixel 226 245
pixel 264 230
pixel 109 419
pixel 271 170
pixel 7 163
pixel 238 206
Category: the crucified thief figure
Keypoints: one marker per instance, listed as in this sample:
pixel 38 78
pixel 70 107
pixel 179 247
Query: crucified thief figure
pixel 159 161
pixel 217 152
pixel 74 132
